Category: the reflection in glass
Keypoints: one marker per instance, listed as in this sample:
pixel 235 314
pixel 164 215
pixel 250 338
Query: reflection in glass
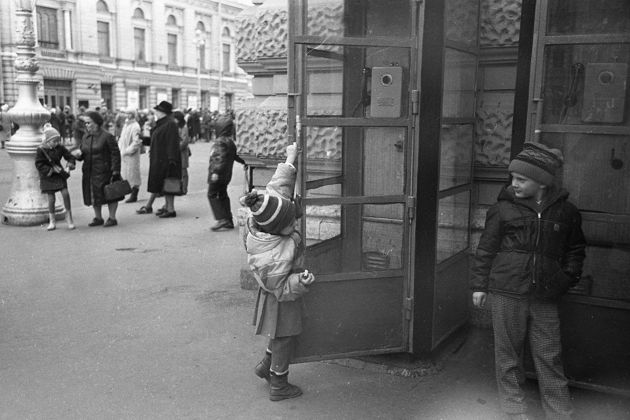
pixel 453 233
pixel 462 21
pixel 372 238
pixel 586 84
pixel 339 82
pixel 355 161
pixel 334 18
pixel 456 155
pixel 459 84
pixel 588 17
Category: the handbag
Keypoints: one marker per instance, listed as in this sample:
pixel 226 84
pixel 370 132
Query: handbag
pixel 58 169
pixel 116 191
pixel 172 186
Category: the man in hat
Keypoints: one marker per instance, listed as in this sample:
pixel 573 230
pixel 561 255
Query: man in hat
pixel 530 253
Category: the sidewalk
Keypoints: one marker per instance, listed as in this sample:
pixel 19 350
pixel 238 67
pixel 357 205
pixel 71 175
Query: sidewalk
pixel 147 320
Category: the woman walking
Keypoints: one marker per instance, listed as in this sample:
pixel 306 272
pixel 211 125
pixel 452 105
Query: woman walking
pixel 130 145
pixel 101 164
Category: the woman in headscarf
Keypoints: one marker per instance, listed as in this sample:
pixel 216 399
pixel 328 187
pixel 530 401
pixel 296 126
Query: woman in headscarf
pixel 101 165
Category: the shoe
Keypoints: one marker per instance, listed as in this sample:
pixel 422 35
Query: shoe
pixel 222 224
pixel 144 210
pixel 110 222
pixel 281 389
pixel 167 213
pixel 160 211
pixel 51 227
pixel 133 197
pixel 262 368
pixel 96 222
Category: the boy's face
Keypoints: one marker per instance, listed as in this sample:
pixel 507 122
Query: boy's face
pixel 52 142
pixel 525 187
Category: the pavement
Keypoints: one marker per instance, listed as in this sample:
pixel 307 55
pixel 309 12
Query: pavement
pixel 147 320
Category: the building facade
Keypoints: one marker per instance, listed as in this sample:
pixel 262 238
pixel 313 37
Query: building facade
pixel 130 53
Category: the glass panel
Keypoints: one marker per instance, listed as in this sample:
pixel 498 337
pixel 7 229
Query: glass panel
pixel 459 84
pixel 596 173
pixel 456 155
pixel 372 237
pixel 462 21
pixel 355 161
pixel 453 225
pixel 356 82
pixel 586 84
pixel 588 17
pixel 369 18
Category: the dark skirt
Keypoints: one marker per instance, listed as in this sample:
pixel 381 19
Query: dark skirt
pixel 52 183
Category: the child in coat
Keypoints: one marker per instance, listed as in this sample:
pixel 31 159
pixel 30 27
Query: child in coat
pixel 530 253
pixel 52 176
pixel 274 253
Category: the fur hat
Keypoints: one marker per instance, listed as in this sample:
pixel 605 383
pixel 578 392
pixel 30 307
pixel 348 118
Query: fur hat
pixel 50 133
pixel 272 213
pixel 537 162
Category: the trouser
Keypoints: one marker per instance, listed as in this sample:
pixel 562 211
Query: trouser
pixel 281 351
pixel 219 201
pixel 513 321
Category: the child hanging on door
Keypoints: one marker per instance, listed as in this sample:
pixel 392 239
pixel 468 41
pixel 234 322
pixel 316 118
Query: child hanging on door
pixel 52 176
pixel 274 253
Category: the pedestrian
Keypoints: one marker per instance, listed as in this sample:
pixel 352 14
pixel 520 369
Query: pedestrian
pixel 68 124
pixel 274 253
pixel 184 141
pixel 164 160
pixel 101 165
pixel 78 129
pixel 130 145
pixel 530 253
pixel 222 157
pixel 52 176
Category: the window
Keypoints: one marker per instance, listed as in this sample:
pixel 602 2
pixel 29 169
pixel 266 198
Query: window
pixel 171 21
pixel 228 101
pixel 47 29
pixel 101 7
pixel 138 13
pixel 142 97
pixel 172 50
pixel 103 38
pixel 139 44
pixel 227 49
pixel 200 41
pixel 175 98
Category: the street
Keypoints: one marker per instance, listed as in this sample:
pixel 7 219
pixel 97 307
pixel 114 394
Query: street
pixel 147 320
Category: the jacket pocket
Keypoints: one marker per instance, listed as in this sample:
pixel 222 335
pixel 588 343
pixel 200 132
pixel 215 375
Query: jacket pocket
pixel 511 273
pixel 553 285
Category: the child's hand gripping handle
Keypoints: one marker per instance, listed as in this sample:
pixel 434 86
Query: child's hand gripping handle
pixel 307 278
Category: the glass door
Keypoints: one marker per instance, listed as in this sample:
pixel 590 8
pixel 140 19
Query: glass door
pixel 352 110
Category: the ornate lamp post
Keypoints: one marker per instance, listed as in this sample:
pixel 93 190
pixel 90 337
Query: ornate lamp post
pixel 26 205
pixel 200 42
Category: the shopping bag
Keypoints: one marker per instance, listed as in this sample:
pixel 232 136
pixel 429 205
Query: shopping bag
pixel 116 191
pixel 172 186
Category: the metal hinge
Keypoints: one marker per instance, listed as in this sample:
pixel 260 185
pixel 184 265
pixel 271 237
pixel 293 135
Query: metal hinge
pixel 415 101
pixel 408 304
pixel 411 207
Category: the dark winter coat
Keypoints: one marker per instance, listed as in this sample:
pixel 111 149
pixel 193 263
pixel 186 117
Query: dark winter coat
pixel 49 180
pixel 164 156
pixel 524 251
pixel 101 159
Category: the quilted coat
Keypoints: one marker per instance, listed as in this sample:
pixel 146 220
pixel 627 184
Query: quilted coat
pixel 101 158
pixel 49 180
pixel 527 251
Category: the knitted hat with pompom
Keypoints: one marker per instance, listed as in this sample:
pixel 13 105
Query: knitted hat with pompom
pixel 271 213
pixel 537 162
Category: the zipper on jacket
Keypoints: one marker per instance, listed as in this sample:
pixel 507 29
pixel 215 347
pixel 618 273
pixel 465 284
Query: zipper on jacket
pixel 536 246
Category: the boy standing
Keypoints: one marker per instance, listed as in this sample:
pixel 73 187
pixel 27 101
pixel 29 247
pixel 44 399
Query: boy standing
pixel 530 253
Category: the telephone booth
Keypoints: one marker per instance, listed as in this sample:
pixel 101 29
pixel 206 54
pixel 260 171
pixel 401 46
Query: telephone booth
pixel 381 104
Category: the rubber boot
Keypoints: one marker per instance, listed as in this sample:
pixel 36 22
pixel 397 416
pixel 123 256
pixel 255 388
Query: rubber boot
pixel 133 197
pixel 51 222
pixel 281 389
pixel 262 368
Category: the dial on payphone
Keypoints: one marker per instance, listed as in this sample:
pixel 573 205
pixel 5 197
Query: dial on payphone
pixel 381 91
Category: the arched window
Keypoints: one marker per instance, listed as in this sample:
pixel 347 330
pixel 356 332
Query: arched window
pixel 200 27
pixel 226 33
pixel 171 21
pixel 101 7
pixel 138 13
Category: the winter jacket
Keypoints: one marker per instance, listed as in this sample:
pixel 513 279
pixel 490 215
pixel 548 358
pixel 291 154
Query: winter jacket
pixel 222 159
pixel 101 159
pixel 49 180
pixel 164 156
pixel 524 251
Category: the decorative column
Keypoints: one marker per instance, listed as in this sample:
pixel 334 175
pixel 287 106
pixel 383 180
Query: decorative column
pixel 26 205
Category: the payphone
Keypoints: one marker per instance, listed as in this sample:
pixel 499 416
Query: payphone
pixel 386 92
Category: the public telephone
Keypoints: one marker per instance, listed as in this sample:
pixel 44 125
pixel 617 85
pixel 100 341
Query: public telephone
pixel 386 92
pixel 604 92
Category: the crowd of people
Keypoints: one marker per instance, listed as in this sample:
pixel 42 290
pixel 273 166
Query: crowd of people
pixel 110 146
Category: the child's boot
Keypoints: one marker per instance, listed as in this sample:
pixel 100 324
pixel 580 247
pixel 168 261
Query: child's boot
pixel 51 222
pixel 69 220
pixel 281 389
pixel 262 368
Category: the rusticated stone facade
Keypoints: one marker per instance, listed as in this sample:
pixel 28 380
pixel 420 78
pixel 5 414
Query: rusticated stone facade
pixel 500 23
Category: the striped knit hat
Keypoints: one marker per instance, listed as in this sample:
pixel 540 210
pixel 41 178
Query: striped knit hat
pixel 537 162
pixel 272 213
